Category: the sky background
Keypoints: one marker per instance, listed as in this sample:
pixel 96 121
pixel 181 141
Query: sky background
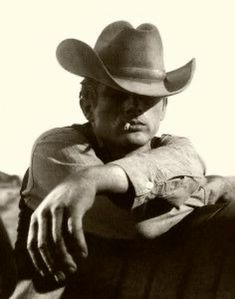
pixel 36 94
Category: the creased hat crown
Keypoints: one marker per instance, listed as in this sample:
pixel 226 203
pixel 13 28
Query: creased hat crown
pixel 136 53
pixel 126 58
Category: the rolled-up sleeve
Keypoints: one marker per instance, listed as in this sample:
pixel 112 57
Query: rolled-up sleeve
pixel 172 169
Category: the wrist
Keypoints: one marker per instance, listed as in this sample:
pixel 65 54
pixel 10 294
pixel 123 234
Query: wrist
pixel 81 183
pixel 107 178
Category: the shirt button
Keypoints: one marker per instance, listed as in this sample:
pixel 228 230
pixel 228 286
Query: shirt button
pixel 149 185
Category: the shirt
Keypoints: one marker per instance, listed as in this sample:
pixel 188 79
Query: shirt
pixel 166 180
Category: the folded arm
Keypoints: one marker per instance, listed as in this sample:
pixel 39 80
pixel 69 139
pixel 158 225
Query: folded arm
pixel 68 178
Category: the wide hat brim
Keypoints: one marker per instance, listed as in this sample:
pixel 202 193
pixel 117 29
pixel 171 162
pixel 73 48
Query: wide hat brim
pixel 80 59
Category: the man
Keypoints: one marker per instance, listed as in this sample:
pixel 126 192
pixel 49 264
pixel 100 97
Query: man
pixel 111 182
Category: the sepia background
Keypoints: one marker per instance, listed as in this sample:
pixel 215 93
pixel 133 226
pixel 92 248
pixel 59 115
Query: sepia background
pixel 36 94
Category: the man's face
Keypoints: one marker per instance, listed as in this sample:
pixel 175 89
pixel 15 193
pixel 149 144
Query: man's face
pixel 125 120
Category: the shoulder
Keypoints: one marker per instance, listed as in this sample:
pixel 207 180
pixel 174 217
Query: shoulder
pixel 69 134
pixel 183 146
pixel 62 141
pixel 170 140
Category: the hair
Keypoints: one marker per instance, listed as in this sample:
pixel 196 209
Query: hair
pixel 89 90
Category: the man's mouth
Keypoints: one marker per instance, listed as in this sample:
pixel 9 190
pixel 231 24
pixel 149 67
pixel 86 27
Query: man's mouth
pixel 133 126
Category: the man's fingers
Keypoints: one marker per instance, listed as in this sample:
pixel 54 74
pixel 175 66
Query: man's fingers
pixel 64 256
pixel 43 242
pixel 56 238
pixel 32 246
pixel 76 230
pixel 46 244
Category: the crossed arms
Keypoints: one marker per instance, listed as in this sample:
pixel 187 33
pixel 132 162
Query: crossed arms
pixel 173 168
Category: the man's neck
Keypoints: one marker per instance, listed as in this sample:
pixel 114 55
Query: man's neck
pixel 109 152
pixel 115 152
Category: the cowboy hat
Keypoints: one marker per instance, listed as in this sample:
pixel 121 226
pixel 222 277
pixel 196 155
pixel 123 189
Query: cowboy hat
pixel 127 59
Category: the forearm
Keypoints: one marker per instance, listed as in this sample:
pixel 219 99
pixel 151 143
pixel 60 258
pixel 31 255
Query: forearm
pixel 107 178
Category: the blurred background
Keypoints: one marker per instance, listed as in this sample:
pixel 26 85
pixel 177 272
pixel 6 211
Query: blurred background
pixel 36 94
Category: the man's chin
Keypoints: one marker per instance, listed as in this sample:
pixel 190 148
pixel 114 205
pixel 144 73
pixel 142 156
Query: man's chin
pixel 135 140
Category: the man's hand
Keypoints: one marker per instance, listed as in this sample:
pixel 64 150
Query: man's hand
pixel 219 188
pixel 65 207
pixel 61 213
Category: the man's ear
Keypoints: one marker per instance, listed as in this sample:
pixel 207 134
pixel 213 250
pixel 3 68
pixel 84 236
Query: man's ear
pixel 164 106
pixel 87 109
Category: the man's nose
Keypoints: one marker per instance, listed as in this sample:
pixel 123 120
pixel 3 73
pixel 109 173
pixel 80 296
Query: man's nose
pixel 133 106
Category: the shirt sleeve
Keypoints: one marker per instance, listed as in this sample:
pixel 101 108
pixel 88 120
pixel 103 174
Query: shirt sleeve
pixel 56 154
pixel 172 170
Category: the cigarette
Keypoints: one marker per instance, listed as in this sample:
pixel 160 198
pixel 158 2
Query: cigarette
pixel 127 127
